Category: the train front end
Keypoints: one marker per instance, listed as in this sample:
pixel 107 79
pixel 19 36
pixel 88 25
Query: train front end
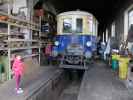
pixel 76 38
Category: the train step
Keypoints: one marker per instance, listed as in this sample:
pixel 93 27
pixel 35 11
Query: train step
pixel 81 67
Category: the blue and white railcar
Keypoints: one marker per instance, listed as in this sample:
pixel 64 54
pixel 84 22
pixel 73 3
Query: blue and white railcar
pixel 76 37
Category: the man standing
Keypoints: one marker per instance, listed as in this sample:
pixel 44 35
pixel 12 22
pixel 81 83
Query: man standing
pixel 48 51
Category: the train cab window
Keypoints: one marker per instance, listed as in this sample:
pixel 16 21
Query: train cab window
pixel 67 25
pixel 79 25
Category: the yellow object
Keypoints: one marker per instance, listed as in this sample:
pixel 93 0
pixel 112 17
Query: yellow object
pixel 115 56
pixel 123 67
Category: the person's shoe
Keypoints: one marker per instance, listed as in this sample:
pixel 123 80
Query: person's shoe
pixel 20 91
pixel 19 88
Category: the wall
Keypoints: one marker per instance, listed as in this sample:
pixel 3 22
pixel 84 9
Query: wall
pixel 119 27
pixel 119 21
pixel 49 7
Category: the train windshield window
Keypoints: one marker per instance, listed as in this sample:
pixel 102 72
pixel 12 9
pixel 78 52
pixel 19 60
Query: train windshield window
pixel 67 25
pixel 79 25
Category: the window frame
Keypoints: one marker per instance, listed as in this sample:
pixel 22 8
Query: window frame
pixel 81 25
pixel 71 26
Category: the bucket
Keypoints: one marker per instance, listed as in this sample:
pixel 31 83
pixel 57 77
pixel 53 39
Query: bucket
pixel 123 67
pixel 115 64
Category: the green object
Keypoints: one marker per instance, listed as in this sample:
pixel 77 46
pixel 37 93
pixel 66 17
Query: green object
pixel 115 56
pixel 1 71
pixel 115 64
pixel 1 68
pixel 6 67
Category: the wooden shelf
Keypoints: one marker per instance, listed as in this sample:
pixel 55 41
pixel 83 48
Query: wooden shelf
pixel 32 55
pixel 20 26
pixel 3 48
pixel 27 56
pixel 29 25
pixel 44 35
pixel 3 13
pixel 4 22
pixel 21 40
pixel 21 48
pixel 18 19
pixel 3 33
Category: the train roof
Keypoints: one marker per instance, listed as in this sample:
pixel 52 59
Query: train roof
pixel 77 12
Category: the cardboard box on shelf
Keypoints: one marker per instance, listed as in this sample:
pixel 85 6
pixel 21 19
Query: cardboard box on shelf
pixel 3 18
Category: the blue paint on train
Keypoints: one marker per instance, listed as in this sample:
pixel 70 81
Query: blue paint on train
pixel 65 40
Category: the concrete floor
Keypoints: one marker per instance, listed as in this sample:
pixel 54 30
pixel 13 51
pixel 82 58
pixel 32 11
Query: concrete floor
pixel 30 84
pixel 101 83
pixel 71 91
pixel 98 83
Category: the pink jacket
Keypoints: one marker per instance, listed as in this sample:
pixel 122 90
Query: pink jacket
pixel 18 67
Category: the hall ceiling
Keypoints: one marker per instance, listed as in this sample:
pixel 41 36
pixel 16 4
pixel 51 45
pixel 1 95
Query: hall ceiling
pixel 103 10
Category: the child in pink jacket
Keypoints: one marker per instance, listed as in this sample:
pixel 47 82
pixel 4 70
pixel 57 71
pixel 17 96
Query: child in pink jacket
pixel 17 68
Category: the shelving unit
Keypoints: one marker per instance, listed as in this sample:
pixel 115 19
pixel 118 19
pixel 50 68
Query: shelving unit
pixel 48 30
pixel 21 37
pixel 48 27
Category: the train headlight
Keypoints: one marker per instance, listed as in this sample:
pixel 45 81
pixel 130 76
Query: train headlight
pixel 55 53
pixel 56 43
pixel 88 54
pixel 88 43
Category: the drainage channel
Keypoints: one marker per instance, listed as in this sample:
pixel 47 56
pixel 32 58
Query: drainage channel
pixel 71 90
